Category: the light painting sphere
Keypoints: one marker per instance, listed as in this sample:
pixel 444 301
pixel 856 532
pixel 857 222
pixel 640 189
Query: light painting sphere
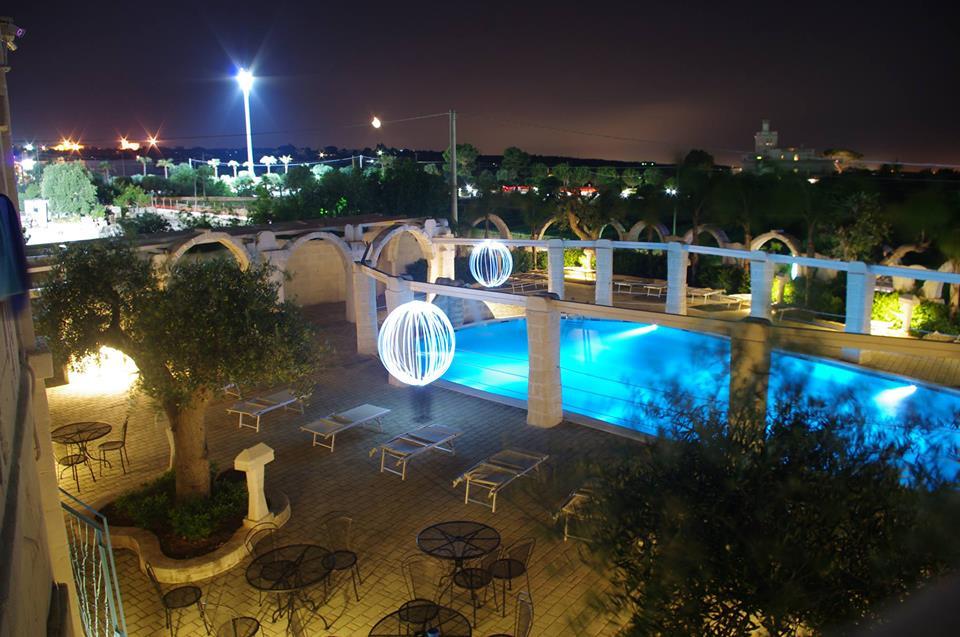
pixel 416 343
pixel 491 263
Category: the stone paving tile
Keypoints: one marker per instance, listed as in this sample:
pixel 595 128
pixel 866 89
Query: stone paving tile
pixel 387 513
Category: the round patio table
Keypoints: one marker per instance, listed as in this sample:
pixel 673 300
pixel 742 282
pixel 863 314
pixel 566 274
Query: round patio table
pixel 81 434
pixel 458 541
pixel 288 571
pixel 449 622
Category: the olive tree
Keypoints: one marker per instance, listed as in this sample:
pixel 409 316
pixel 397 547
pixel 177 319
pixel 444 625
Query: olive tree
pixel 190 331
pixel 803 527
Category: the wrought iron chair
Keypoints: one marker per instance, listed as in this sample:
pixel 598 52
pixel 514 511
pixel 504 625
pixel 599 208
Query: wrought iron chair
pixel 337 530
pixel 119 446
pixel 177 599
pixel 475 578
pixel 239 627
pixel 70 462
pixel 260 539
pixel 513 562
pixel 424 577
pixel 523 623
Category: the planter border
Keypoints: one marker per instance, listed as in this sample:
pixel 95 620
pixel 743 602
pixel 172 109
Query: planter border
pixel 176 571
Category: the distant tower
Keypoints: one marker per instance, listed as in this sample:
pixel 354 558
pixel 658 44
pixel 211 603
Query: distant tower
pixel 764 139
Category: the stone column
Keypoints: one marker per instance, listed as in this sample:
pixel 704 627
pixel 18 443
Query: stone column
pixel 761 284
pixel 860 286
pixel 555 266
pixel 365 309
pixel 544 395
pixel 278 259
pixel 677 261
pixel 252 462
pixel 348 299
pixel 443 267
pixel 749 371
pixel 604 288
pixel 780 285
pixel 907 303
pixel 398 292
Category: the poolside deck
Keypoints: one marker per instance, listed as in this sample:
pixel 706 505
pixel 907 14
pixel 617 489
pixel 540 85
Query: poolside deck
pixel 387 513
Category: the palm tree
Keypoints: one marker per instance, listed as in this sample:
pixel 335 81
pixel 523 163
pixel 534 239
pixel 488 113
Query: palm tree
pixel 250 170
pixel 105 168
pixel 215 164
pixel 285 160
pixel 268 160
pixel 143 159
pixel 233 163
pixel 166 164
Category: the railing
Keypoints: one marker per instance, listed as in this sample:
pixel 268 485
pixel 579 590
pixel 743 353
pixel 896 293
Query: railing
pixel 91 557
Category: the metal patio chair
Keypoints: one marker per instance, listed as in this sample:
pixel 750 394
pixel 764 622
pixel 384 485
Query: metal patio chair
pixel 178 598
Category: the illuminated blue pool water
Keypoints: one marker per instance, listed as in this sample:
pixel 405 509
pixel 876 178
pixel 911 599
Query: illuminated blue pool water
pixel 616 371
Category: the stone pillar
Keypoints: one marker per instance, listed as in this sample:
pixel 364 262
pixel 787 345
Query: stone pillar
pixel 907 303
pixel 860 286
pixel 779 286
pixel 348 300
pixel 252 461
pixel 749 371
pixel 555 266
pixel 677 261
pixel 544 395
pixel 278 259
pixel 398 292
pixel 365 310
pixel 604 288
pixel 761 284
pixel 443 267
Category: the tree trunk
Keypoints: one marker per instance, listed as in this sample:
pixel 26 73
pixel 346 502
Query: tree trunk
pixel 192 461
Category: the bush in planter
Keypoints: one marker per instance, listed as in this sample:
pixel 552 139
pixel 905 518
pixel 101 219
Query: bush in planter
pixel 931 316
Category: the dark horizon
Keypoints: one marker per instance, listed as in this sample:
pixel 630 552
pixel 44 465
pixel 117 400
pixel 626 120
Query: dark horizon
pixel 647 81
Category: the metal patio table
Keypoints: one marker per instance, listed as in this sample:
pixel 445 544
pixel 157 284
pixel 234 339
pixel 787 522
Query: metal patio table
pixel 458 541
pixel 406 621
pixel 82 434
pixel 288 571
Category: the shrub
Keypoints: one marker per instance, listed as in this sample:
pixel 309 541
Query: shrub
pixel 640 263
pixel 418 270
pixel 571 257
pixel 729 277
pixel 825 297
pixel 886 307
pixel 931 316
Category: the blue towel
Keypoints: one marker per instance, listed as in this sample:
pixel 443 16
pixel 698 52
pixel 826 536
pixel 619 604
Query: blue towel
pixel 13 258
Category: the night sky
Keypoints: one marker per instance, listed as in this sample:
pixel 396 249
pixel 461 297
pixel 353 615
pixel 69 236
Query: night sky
pixel 882 80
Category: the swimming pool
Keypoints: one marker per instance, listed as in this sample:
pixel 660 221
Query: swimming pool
pixel 625 374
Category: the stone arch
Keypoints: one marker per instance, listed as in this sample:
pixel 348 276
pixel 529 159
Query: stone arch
pixel 791 242
pixel 232 244
pixel 498 223
pixel 634 233
pixel 717 233
pixel 388 234
pixel 325 287
pixel 546 226
pixel 897 255
pixel 616 225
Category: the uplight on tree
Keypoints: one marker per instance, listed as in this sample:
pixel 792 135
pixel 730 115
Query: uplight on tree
pixel 233 163
pixel 268 160
pixel 285 160
pixel 215 164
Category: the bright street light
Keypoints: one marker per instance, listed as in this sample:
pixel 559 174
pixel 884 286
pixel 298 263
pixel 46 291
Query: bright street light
pixel 28 147
pixel 27 164
pixel 672 191
pixel 376 123
pixel 152 140
pixel 245 80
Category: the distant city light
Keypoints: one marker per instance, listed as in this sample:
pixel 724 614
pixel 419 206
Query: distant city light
pixel 670 190
pixel 125 144
pixel 68 145
pixel 152 140
pixel 379 152
pixel 27 163
pixel 376 123
pixel 28 147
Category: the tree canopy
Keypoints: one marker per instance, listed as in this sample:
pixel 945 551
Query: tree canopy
pixel 69 188
pixel 209 323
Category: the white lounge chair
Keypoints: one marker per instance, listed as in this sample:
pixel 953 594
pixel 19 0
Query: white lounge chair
pixel 401 449
pixel 497 472
pixel 327 428
pixel 572 509
pixel 256 408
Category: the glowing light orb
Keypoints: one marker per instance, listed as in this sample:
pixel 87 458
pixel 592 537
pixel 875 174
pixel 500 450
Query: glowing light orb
pixel 491 263
pixel 110 372
pixel 416 343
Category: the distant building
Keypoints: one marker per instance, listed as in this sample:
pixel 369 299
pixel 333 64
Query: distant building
pixel 768 156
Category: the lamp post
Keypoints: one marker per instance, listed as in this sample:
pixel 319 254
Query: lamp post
pixel 672 191
pixel 245 80
pixel 452 114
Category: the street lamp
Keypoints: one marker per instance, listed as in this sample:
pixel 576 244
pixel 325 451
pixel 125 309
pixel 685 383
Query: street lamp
pixel 672 192
pixel 245 80
pixel 452 114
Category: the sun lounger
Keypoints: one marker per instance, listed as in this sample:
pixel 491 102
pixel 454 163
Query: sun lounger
pixel 572 509
pixel 399 450
pixel 497 472
pixel 327 428
pixel 696 294
pixel 256 408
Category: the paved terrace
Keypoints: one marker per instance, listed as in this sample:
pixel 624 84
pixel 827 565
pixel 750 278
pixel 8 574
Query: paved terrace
pixel 387 513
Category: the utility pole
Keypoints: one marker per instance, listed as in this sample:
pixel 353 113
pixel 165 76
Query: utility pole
pixel 454 217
